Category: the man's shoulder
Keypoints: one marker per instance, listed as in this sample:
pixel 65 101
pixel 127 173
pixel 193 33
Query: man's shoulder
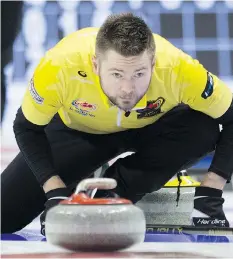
pixel 166 53
pixel 70 54
pixel 74 48
pixel 76 38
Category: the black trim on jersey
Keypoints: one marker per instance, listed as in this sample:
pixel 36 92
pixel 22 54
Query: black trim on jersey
pixel 34 146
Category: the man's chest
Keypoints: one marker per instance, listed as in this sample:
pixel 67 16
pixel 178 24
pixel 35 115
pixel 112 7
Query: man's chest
pixel 87 108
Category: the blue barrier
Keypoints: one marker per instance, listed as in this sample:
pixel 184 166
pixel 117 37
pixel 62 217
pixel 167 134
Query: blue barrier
pixel 149 237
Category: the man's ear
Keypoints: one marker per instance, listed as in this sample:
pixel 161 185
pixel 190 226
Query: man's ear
pixel 153 62
pixel 95 65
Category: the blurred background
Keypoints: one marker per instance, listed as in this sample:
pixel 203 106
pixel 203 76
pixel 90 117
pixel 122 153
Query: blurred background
pixel 203 29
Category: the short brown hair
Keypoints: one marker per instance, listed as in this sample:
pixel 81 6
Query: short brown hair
pixel 125 33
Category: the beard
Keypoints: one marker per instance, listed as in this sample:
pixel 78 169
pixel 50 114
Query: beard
pixel 123 103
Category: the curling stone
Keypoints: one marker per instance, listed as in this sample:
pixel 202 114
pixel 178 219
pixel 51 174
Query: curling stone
pixel 161 208
pixel 82 223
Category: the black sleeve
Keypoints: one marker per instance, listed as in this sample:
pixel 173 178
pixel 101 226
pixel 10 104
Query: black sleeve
pixel 34 145
pixel 222 163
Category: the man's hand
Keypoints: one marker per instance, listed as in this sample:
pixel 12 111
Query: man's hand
pixel 208 208
pixel 54 197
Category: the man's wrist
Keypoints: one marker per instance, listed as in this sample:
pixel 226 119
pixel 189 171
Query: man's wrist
pixel 213 180
pixel 53 183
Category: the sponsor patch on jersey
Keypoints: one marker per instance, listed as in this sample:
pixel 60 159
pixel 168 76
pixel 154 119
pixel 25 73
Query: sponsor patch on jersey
pixel 84 105
pixel 209 88
pixel 34 93
pixel 84 108
pixel 153 108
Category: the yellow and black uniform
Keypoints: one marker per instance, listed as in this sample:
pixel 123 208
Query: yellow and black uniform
pixel 64 83
pixel 66 126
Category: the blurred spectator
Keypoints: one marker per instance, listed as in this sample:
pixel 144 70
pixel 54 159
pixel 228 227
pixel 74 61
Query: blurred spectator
pixel 11 16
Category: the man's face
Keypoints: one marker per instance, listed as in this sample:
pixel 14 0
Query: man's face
pixel 124 80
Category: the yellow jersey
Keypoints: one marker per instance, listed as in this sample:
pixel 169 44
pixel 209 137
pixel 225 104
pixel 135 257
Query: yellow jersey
pixel 64 82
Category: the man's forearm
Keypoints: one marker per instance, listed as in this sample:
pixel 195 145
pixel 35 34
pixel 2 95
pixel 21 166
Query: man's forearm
pixel 35 148
pixel 222 164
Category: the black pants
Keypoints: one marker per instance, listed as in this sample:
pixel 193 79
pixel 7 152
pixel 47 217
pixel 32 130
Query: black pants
pixel 175 142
